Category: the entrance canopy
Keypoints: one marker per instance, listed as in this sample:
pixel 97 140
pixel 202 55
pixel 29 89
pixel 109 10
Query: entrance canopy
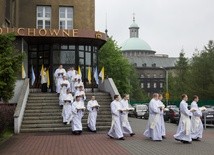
pixel 52 47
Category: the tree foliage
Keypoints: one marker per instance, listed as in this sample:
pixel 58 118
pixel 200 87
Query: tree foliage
pixel 10 65
pixel 118 68
pixel 194 76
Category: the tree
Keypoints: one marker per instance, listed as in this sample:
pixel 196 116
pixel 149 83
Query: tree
pixel 119 68
pixel 179 84
pixel 10 65
pixel 202 73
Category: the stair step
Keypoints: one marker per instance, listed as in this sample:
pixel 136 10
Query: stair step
pixel 60 124
pixel 58 114
pixel 99 117
pixel 59 120
pixel 59 129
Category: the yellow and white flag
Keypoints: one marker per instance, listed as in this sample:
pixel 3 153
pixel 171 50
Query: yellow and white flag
pixel 102 74
pixel 79 71
pixel 23 72
pixel 89 75
pixel 42 72
pixel 48 78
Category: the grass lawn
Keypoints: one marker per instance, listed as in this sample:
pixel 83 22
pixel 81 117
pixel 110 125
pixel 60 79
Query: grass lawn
pixel 5 136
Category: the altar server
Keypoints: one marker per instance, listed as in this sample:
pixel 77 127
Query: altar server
pixel 116 128
pixel 153 129
pixel 66 111
pixel 183 133
pixel 92 107
pixel 59 73
pixel 78 109
pixel 196 124
pixel 126 127
pixel 162 106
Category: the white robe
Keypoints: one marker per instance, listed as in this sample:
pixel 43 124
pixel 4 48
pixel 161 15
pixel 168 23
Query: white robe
pixel 116 128
pixel 70 75
pixel 126 127
pixel 196 124
pixel 77 115
pixel 58 78
pixel 153 129
pixel 80 93
pixel 184 127
pixel 163 129
pixel 66 111
pixel 63 91
pixel 92 116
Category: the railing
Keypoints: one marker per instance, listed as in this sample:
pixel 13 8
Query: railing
pixel 109 86
pixel 20 108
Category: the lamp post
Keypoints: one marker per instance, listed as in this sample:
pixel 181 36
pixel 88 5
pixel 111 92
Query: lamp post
pixel 167 86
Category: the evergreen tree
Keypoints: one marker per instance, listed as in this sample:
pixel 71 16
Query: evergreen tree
pixel 202 73
pixel 10 65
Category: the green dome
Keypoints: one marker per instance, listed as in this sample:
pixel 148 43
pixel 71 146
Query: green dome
pixel 134 25
pixel 135 44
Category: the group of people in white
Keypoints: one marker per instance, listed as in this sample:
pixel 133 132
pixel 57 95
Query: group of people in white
pixel 120 125
pixel 188 129
pixel 72 98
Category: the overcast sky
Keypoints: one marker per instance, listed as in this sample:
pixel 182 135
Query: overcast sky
pixel 166 25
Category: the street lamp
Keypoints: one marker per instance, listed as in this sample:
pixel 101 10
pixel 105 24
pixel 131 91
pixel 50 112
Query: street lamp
pixel 167 86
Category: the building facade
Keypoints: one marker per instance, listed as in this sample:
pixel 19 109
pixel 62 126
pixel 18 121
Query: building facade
pixel 152 68
pixel 53 32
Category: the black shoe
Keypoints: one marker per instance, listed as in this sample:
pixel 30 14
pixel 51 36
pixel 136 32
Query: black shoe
pixel 197 139
pixel 157 140
pixel 94 131
pixel 64 123
pixel 132 134
pixel 122 138
pixel 177 139
pixel 110 136
pixel 186 142
pixel 163 137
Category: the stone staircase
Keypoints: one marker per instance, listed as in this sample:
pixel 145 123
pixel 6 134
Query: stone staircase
pixel 43 113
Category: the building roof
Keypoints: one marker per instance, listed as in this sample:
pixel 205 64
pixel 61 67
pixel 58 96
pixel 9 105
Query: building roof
pixel 151 60
pixel 134 25
pixel 132 44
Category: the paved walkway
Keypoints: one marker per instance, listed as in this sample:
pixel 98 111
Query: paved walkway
pixel 100 144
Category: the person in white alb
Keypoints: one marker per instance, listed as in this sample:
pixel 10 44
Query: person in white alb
pixel 196 124
pixel 162 106
pixel 64 86
pixel 116 128
pixel 66 111
pixel 78 109
pixel 92 107
pixel 153 129
pixel 183 133
pixel 126 127
pixel 59 73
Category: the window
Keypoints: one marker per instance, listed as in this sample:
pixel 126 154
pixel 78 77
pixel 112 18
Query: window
pixel 43 17
pixel 161 75
pixel 144 65
pixel 135 64
pixel 154 75
pixel 161 85
pixel 154 65
pixel 66 17
pixel 155 85
pixel 142 76
pixel 142 85
pixel 148 85
pixel 148 75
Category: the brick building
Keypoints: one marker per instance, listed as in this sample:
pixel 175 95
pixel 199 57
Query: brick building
pixel 53 32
